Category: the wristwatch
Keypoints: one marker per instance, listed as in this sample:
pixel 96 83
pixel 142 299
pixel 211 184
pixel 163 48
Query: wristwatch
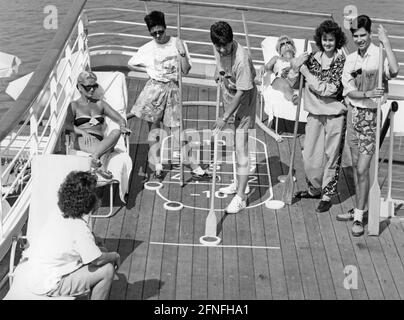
pixel 182 54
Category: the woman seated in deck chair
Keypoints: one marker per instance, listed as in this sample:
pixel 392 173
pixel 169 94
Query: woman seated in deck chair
pixel 158 103
pixel 64 259
pixel 86 117
pixel 285 67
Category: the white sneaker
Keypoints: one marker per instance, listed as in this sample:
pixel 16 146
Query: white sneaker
pixel 232 189
pixel 236 205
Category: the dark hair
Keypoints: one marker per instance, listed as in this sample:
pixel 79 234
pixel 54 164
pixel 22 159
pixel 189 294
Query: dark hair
pixel 221 33
pixel 361 21
pixel 329 26
pixel 76 195
pixel 155 18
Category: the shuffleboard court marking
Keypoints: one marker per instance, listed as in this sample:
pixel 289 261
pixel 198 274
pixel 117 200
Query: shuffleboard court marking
pixel 263 199
pixel 252 185
pixel 216 246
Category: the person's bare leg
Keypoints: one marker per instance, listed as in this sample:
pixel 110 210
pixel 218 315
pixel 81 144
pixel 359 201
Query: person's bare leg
pixel 242 162
pixel 363 167
pixel 101 281
pixel 154 141
pixel 106 144
pixel 355 156
pixel 283 86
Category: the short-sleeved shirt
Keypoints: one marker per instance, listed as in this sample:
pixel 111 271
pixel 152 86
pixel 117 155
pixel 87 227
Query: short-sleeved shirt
pixel 238 74
pixel 63 246
pixel 367 77
pixel 160 60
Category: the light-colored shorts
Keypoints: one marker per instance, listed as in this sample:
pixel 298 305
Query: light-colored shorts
pixel 244 117
pixel 158 101
pixel 74 284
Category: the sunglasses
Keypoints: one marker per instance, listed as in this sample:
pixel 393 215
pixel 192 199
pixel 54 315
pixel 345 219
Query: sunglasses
pixel 284 43
pixel 89 87
pixel 354 74
pixel 158 32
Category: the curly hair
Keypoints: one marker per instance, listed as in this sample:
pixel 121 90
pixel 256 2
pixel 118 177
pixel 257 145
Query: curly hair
pixel 329 26
pixel 76 195
pixel 221 33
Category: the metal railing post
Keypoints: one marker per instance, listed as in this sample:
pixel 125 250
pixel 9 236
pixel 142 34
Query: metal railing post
pixel 33 127
pixel 180 96
pixel 246 33
pixel 68 57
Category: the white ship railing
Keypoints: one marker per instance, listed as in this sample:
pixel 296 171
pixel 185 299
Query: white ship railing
pixel 35 122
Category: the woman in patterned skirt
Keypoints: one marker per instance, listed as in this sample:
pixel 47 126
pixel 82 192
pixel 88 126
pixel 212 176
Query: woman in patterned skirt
pixel 158 103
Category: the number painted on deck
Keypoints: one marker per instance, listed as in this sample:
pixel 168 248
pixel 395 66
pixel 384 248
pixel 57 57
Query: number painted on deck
pixel 217 194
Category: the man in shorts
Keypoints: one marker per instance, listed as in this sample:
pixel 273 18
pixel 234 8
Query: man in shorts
pixel 235 70
pixel 360 81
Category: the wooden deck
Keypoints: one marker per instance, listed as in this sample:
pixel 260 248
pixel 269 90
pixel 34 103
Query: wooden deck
pixel 292 253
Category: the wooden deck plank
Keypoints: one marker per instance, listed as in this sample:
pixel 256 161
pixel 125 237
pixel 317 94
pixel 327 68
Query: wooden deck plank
pixel 397 237
pixel 140 201
pixel 365 265
pixel 305 260
pixel 256 215
pixel 200 254
pixel 318 251
pixel 186 228
pixel 172 228
pixel 382 269
pixel 127 242
pixel 215 255
pixel 142 236
pixel 342 233
pixel 279 288
pixel 245 255
pixel 330 243
pixel 170 253
pixel 153 283
pixel 393 259
pixel 289 250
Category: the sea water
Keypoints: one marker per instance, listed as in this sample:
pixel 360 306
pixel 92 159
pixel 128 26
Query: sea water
pixel 23 32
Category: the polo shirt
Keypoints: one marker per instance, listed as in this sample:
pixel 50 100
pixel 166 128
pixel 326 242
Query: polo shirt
pixel 367 80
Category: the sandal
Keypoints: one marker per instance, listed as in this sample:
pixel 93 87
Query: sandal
pixel 105 174
pixel 206 176
pixel 158 175
pixel 306 194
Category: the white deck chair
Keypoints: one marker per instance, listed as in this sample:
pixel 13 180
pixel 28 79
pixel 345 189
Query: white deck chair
pixel 118 162
pixel 275 105
pixel 48 173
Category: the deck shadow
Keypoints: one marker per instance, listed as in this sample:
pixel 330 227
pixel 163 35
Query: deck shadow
pixel 383 225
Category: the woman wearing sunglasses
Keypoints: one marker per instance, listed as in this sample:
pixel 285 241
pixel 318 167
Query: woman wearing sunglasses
pixel 326 122
pixel 158 103
pixel 86 117
pixel 284 68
